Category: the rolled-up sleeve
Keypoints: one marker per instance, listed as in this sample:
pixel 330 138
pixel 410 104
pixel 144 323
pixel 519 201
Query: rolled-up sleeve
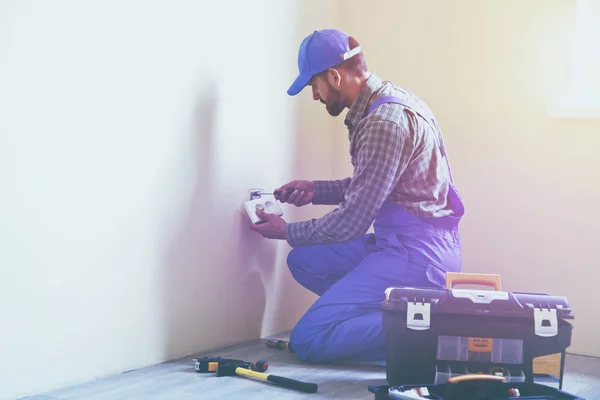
pixel 383 151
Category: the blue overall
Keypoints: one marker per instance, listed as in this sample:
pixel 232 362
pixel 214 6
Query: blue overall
pixel 344 324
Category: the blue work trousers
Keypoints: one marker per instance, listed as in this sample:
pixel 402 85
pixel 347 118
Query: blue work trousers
pixel 345 323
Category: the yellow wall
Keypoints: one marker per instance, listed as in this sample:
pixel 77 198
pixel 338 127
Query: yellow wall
pixel 130 135
pixel 488 69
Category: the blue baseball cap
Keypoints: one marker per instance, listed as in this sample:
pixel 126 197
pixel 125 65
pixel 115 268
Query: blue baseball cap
pixel 318 52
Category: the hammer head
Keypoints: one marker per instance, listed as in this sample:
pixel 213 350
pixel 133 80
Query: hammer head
pixel 228 369
pixel 210 364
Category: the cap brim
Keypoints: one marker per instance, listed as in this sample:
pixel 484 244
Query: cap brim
pixel 299 84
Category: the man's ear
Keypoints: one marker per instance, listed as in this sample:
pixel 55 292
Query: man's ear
pixel 334 77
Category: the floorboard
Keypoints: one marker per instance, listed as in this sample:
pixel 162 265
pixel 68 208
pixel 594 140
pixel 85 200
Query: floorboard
pixel 178 380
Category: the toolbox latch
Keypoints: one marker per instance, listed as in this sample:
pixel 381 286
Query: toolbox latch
pixel 418 315
pixel 546 323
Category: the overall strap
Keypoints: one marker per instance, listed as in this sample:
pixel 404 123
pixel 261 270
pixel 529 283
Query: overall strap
pixel 429 118
pixel 383 100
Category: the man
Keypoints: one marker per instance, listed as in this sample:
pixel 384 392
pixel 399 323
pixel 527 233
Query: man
pixel 401 184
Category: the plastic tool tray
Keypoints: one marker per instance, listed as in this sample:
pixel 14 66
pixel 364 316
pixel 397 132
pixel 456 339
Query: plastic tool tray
pixel 433 335
pixel 476 390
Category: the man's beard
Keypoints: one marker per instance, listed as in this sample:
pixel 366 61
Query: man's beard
pixel 334 104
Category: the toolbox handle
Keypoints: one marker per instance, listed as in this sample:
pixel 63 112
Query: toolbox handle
pixel 476 377
pixel 454 278
pixel 472 385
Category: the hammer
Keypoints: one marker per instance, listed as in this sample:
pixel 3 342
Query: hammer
pixel 233 369
pixel 210 364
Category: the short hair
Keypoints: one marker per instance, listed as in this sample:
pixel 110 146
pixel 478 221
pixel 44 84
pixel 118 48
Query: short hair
pixel 357 63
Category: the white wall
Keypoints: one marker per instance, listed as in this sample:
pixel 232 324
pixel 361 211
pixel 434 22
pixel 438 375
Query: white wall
pixel 489 69
pixel 125 124
pixel 130 133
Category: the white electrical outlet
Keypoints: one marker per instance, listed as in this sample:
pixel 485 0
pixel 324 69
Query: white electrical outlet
pixel 266 203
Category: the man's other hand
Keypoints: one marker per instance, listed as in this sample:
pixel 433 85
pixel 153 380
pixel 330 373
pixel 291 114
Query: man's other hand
pixel 272 228
pixel 298 193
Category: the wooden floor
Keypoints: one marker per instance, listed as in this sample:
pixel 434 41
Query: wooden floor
pixel 177 380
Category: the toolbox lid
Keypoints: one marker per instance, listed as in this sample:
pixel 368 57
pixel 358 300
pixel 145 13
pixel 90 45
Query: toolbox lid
pixel 476 302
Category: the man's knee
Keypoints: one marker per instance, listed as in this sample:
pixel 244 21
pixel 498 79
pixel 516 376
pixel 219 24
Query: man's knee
pixel 294 257
pixel 304 262
pixel 296 260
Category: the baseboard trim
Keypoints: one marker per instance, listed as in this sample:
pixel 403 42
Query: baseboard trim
pixel 577 352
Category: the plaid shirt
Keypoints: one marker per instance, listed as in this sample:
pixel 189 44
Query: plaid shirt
pixel 396 156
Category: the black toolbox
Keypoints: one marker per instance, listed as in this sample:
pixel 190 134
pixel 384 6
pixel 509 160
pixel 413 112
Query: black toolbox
pixel 434 335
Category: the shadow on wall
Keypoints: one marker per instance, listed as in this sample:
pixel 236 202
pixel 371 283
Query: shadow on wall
pixel 252 263
pixel 213 268
pixel 187 251
pixel 310 141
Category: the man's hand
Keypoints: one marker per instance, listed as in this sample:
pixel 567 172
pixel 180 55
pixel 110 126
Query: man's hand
pixel 272 228
pixel 298 193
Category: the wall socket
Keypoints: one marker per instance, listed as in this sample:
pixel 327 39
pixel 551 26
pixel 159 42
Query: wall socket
pixel 265 202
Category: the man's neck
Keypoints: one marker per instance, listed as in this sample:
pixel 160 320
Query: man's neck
pixel 356 85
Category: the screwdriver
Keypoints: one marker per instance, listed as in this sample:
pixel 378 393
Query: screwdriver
pixel 278 192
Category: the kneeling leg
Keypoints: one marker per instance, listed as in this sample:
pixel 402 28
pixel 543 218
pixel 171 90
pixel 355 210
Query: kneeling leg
pixel 344 324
